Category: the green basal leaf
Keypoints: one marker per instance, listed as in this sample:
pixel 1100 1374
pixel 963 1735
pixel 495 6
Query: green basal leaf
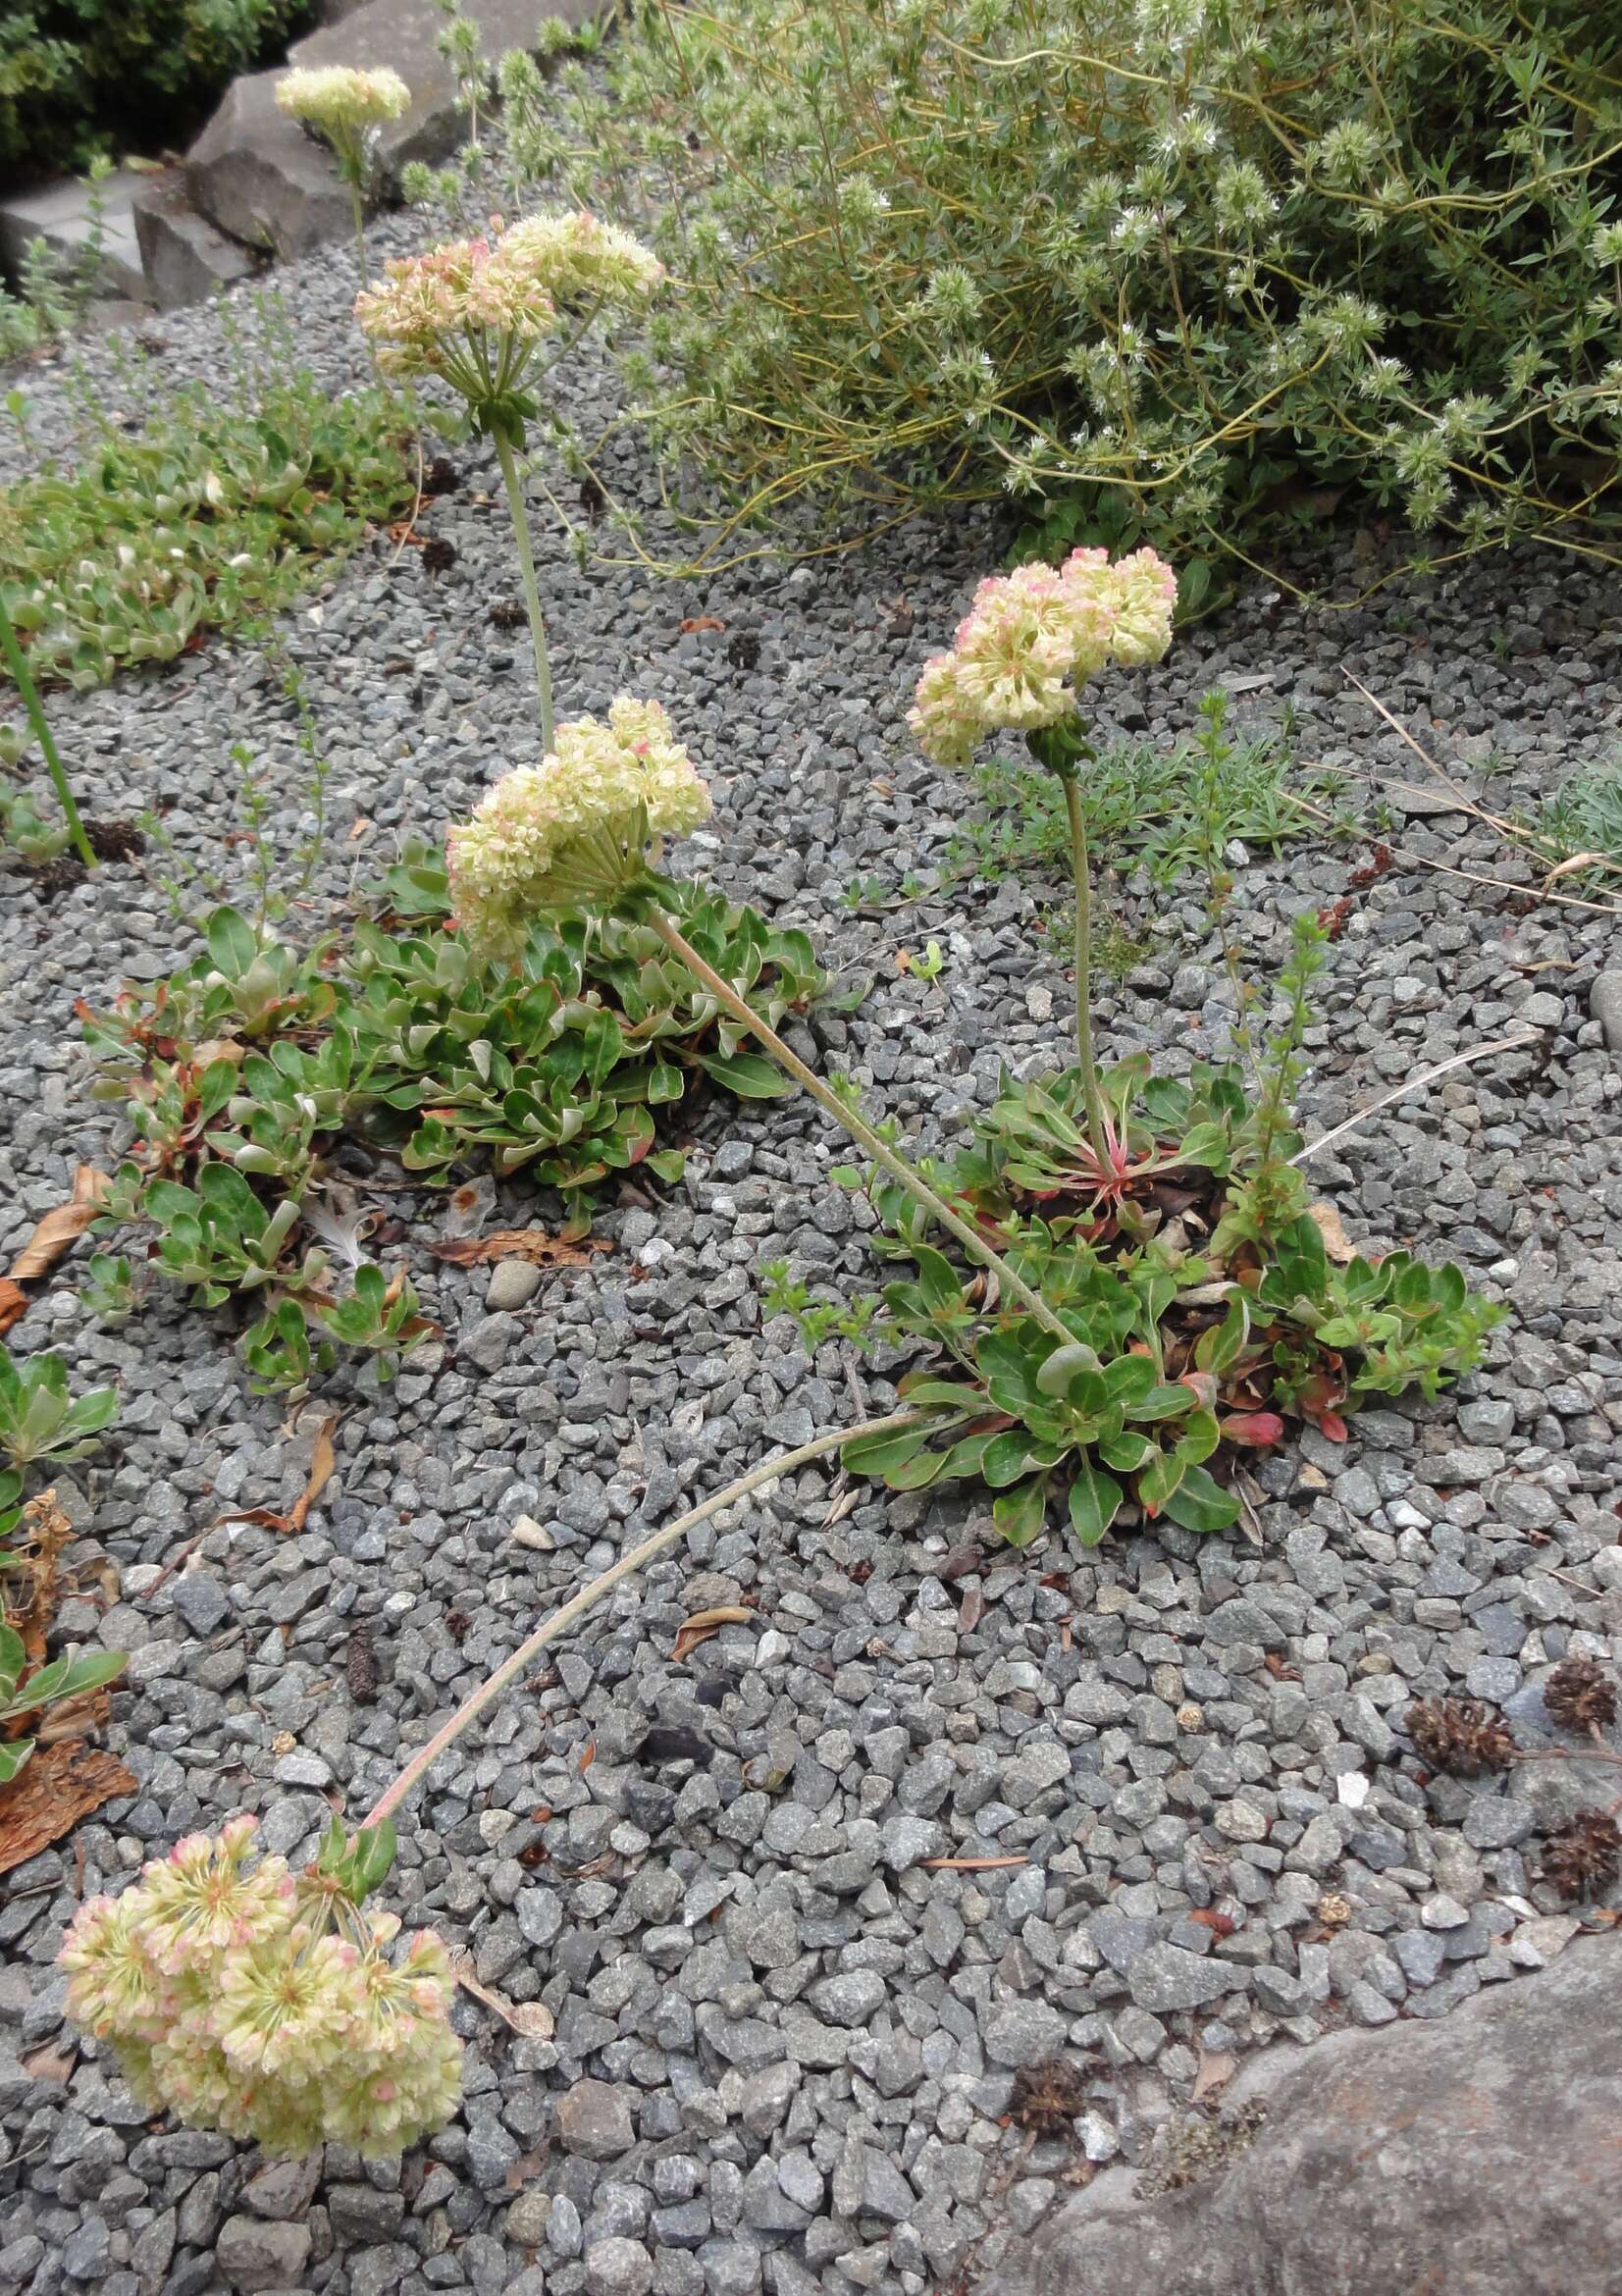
pixel 1200 1503
pixel 1020 1515
pixel 1094 1502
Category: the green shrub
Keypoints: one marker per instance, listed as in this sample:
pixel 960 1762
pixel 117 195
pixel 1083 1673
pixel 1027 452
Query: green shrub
pixel 1177 267
pixel 214 514
pixel 76 76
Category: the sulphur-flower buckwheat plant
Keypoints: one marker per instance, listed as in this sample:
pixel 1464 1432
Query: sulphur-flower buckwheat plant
pixel 244 1999
pixel 1028 642
pixel 345 107
pixel 479 314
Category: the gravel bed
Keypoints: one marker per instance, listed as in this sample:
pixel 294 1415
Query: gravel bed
pixel 785 2045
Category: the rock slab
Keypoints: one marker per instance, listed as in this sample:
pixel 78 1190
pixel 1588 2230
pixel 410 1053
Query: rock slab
pixel 1480 2154
pixel 185 258
pixel 60 214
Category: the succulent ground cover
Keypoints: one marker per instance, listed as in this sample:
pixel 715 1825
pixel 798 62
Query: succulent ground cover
pixel 1176 1785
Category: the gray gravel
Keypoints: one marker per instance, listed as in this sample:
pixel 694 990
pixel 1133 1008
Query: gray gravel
pixel 783 2043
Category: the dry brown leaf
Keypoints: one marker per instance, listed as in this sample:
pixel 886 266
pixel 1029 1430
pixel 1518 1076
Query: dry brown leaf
pixel 63 1225
pixel 701 622
pixel 50 1240
pixel 845 1504
pixel 704 1623
pixel 534 1244
pixel 1577 863
pixel 51 2064
pixel 904 960
pixel 57 1787
pixel 532 2018
pixel 323 1459
pixel 1337 1243
pixel 1215 2070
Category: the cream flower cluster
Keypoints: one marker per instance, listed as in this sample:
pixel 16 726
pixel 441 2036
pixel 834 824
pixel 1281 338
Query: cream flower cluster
pixel 334 97
pixel 587 261
pixel 229 2001
pixel 447 312
pixel 1031 637
pixel 595 775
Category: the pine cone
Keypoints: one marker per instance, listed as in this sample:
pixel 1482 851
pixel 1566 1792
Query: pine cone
pixel 1459 1736
pixel 1581 1858
pixel 1581 1696
pixel 442 477
pixel 439 555
pixel 360 1666
pixel 507 614
pixel 1047 2096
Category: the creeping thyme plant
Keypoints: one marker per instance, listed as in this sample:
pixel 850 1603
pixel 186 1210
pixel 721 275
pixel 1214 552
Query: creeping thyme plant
pixel 1170 267
pixel 346 108
pixel 480 315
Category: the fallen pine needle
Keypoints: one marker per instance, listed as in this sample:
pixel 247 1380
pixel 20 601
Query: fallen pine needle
pixel 971 1864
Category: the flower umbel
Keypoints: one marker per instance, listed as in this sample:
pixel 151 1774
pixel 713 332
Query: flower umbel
pixel 1030 638
pixel 473 311
pixel 337 99
pixel 244 2001
pixel 523 847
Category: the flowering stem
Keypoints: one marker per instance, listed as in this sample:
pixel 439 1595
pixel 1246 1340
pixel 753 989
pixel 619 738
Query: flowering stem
pixel 17 665
pixel 578 1605
pixel 882 1154
pixel 526 567
pixel 1092 1099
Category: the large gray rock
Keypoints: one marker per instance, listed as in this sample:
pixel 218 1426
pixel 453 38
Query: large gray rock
pixel 185 258
pixel 59 215
pixel 260 178
pixel 1480 2155
pixel 405 34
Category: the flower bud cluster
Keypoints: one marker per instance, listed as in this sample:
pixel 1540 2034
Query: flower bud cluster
pixel 243 2000
pixel 1031 637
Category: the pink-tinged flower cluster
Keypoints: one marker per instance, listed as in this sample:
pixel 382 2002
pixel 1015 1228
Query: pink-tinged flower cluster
pixel 464 309
pixel 250 2001
pixel 504 862
pixel 1031 637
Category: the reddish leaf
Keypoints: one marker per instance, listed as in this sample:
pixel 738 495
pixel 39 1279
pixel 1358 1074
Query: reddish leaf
pixel 1257 1427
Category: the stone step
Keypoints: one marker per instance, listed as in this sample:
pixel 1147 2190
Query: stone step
pixel 59 215
pixel 257 176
